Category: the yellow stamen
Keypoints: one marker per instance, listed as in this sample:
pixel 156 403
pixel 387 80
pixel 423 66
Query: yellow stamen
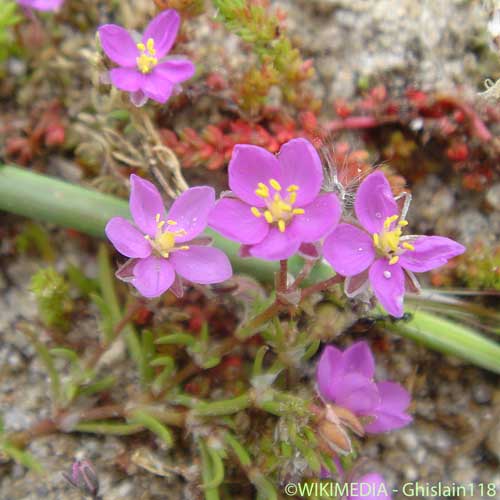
pixel 298 211
pixel 184 247
pixel 150 44
pixel 390 220
pixel 403 223
pixel 262 186
pixel 141 47
pixel 376 239
pixel 268 216
pixel 166 240
pixel 157 217
pixel 281 225
pixel 293 197
pixel 393 260
pixel 171 222
pixel 277 198
pixel 262 193
pixel 256 212
pixel 161 224
pixel 292 188
pixel 275 184
pixel 408 246
pixel 285 206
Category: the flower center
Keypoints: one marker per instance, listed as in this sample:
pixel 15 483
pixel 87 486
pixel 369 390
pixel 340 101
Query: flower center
pixel 279 209
pixel 147 60
pixel 164 241
pixel 387 242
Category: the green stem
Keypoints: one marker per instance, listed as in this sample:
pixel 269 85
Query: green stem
pixel 224 407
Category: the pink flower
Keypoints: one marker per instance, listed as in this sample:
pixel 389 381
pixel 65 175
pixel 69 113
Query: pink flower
pixel 159 244
pixel 45 5
pixel 142 71
pixel 346 379
pixel 379 254
pixel 276 203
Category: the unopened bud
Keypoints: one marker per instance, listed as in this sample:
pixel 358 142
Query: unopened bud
pixel 84 478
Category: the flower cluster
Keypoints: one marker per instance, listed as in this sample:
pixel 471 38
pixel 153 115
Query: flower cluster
pixel 143 70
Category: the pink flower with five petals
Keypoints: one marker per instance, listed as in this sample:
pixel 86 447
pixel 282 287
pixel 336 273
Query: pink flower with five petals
pixel 143 72
pixel 379 254
pixel 276 203
pixel 162 245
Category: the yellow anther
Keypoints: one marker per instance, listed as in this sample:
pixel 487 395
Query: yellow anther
pixel 166 240
pixel 268 216
pixel 184 247
pixel 150 44
pixel 285 206
pixel 275 184
pixel 141 47
pixel 161 224
pixel 376 239
pixel 171 222
pixel 390 220
pixel 262 186
pixel 408 246
pixel 157 217
pixel 393 260
pixel 292 188
pixel 298 211
pixel 293 197
pixel 256 212
pixel 403 223
pixel 281 225
pixel 261 193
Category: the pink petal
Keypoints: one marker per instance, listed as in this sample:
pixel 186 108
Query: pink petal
pixel 320 217
pixel 275 246
pixel 374 202
pixel 203 265
pixel 328 371
pixel 118 45
pixel 430 252
pixel 176 70
pixel 42 5
pixel 128 79
pixel 356 393
pixel 145 204
pixel 358 358
pixel 138 98
pixel 233 219
pixel 349 250
pixel 128 240
pixel 153 276
pixel 163 30
pixel 370 487
pixel 388 283
pixel 126 271
pixel 250 165
pixel 191 210
pixel 394 397
pixel 301 166
pixel 157 87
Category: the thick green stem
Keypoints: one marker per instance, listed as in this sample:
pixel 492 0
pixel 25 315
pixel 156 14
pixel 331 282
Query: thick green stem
pixel 51 200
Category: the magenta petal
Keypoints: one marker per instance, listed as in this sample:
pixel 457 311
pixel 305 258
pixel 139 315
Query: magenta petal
pixel 301 166
pixel 349 250
pixel 203 265
pixel 328 371
pixel 358 358
pixel 430 252
pixel 190 211
pixel 153 276
pixel 145 204
pixel 118 45
pixel 250 165
pixel 128 240
pixel 374 202
pixel 319 218
pixel 128 79
pixel 354 285
pixel 163 30
pixel 391 413
pixel 356 393
pixel 370 487
pixel 176 70
pixel 157 87
pixel 42 5
pixel 275 246
pixel 233 219
pixel 388 283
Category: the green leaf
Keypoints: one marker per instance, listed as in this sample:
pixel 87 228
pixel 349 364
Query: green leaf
pixel 150 423
pixel 22 457
pixel 176 338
